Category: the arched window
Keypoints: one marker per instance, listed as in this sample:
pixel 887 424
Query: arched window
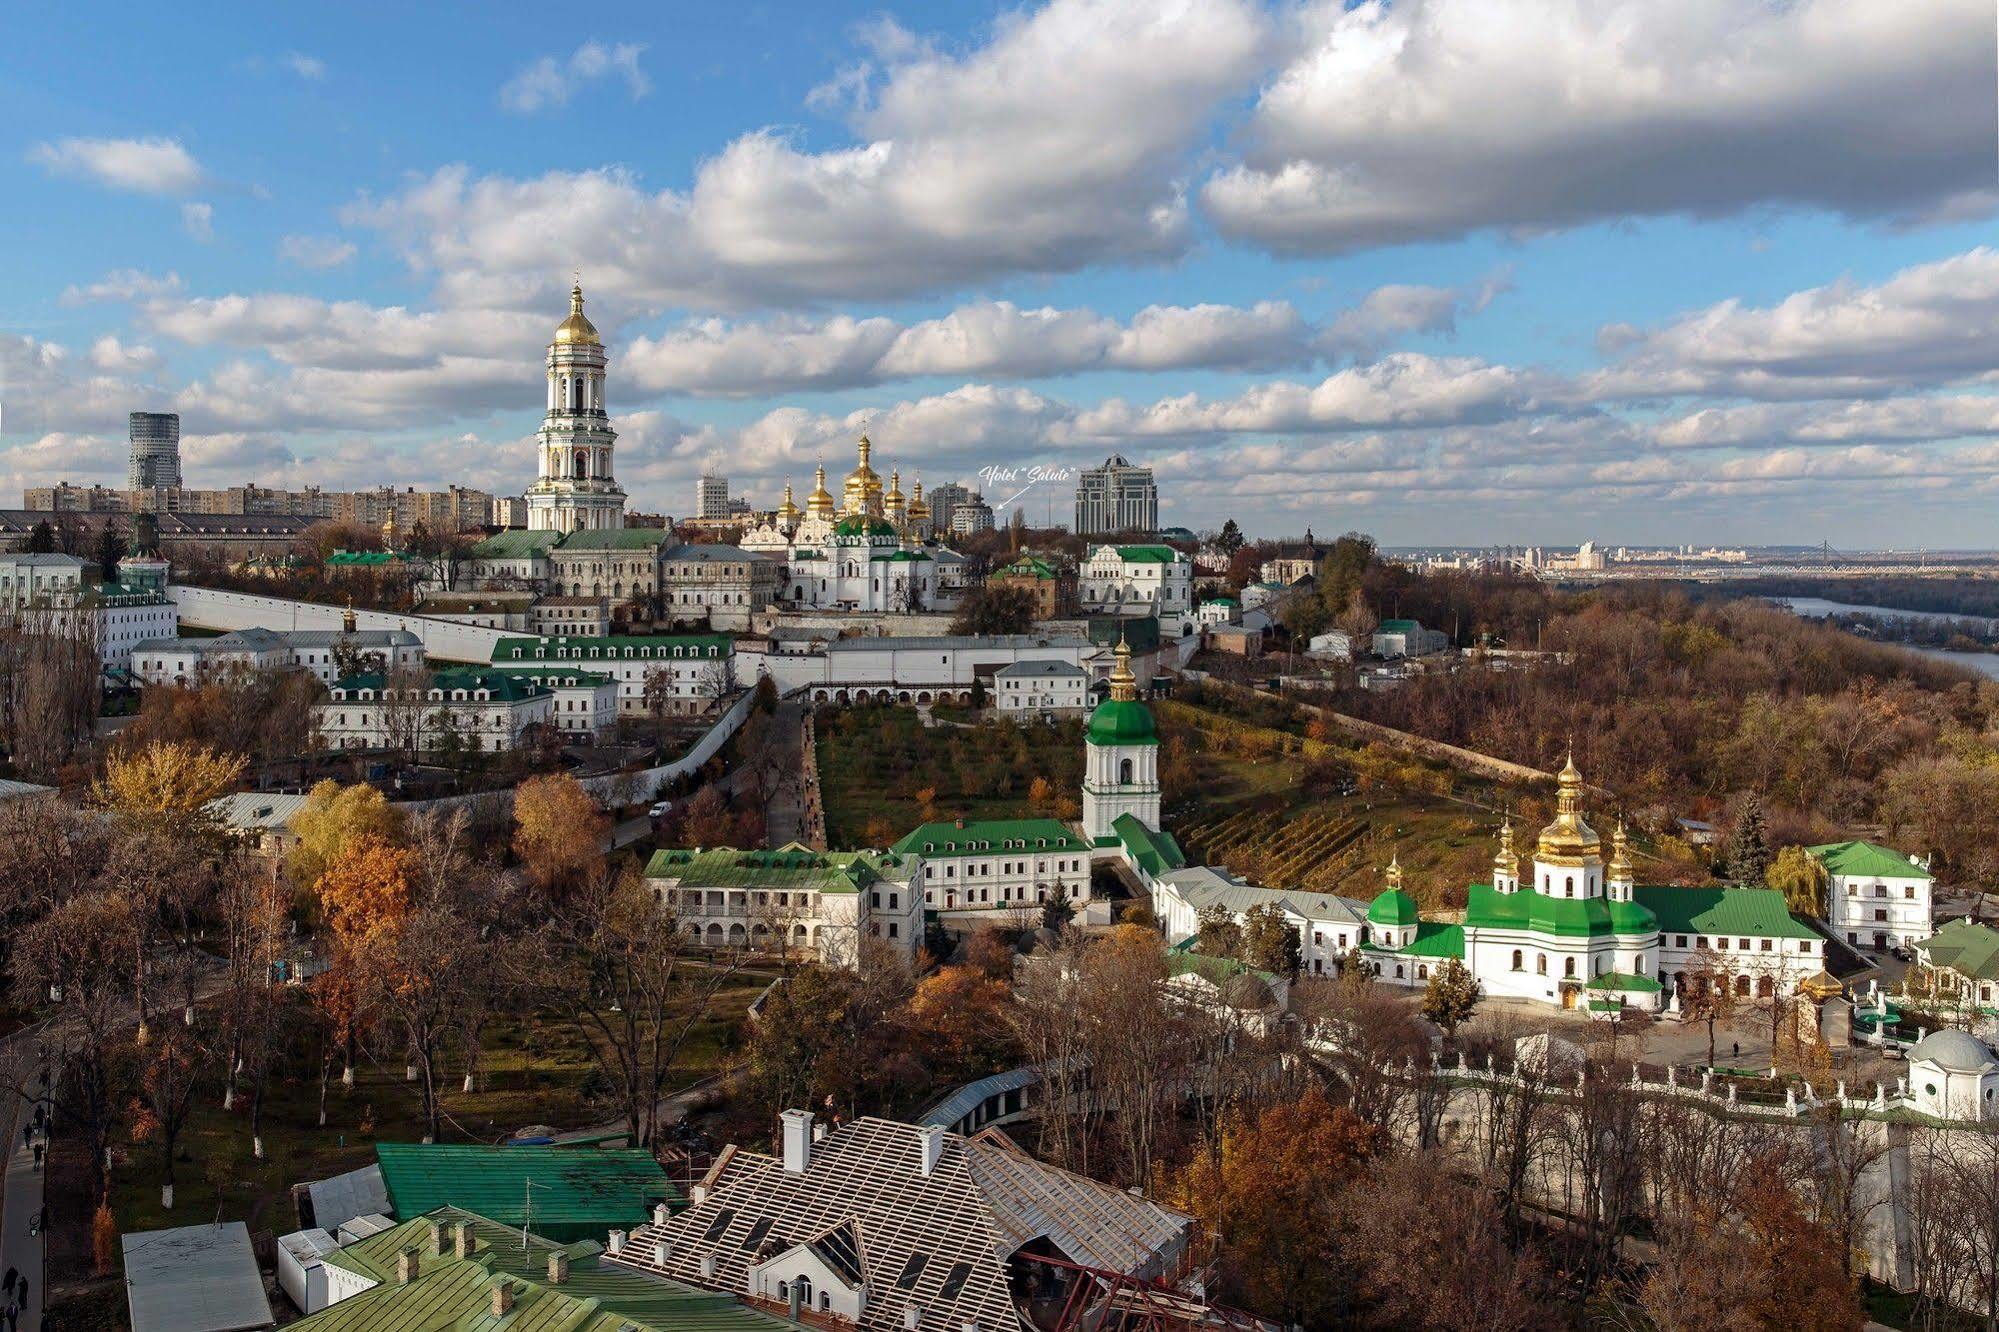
pixel 1569 886
pixel 1124 772
pixel 1517 960
pixel 1742 986
pixel 1541 964
pixel 1569 967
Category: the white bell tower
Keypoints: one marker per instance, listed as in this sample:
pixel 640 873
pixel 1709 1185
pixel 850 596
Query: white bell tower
pixel 574 488
pixel 1121 758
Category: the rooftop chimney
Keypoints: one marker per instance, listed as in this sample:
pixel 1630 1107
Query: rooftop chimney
pixel 932 1137
pixel 708 1266
pixel 558 1267
pixel 797 1140
pixel 406 1266
pixel 663 1252
pixel 438 1231
pixel 659 1214
pixel 503 1297
pixel 912 1317
pixel 617 1241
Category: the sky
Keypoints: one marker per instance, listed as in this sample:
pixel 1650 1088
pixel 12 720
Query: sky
pixel 1459 272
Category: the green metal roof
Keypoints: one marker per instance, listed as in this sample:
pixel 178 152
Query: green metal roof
pixel 1149 554
pixel 1867 860
pixel 505 687
pixel 617 538
pixel 727 867
pixel 455 1294
pixel 861 525
pixel 1436 940
pixel 579 1193
pixel 1028 566
pixel 1397 627
pixel 1393 907
pixel 1215 970
pixel 364 558
pixel 1120 722
pixel 1535 911
pixel 554 675
pixel 515 543
pixel 1966 947
pixel 1742 911
pixel 1155 852
pixel 935 841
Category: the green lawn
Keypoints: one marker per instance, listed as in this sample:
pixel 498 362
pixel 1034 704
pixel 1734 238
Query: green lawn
pixel 877 762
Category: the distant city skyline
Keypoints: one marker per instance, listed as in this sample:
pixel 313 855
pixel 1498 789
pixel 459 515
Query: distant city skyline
pixel 1466 271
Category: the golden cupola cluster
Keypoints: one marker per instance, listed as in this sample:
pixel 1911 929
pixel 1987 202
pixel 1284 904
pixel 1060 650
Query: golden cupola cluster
pixel 919 508
pixel 788 513
pixel 894 508
pixel 1506 865
pixel 1568 840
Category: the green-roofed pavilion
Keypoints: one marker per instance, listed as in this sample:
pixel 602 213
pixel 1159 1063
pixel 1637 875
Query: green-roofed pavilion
pixel 577 1192
pixel 449 1293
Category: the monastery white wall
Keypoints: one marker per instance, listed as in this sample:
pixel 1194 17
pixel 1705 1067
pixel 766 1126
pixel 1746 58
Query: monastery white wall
pixel 213 608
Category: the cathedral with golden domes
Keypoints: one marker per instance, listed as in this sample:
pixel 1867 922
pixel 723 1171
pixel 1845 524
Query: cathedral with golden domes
pixel 866 551
pixel 575 489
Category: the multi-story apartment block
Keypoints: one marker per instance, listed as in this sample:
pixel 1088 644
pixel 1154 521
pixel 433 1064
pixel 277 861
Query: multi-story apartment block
pixel 1116 499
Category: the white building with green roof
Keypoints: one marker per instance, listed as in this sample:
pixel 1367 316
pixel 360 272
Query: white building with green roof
pixel 998 864
pixel 476 711
pixel 794 900
pixel 683 674
pixel 1577 933
pixel 1876 897
pixel 1121 759
pixel 1138 581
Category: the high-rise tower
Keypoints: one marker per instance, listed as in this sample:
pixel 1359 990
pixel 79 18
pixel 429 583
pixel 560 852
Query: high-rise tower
pixel 575 490
pixel 155 460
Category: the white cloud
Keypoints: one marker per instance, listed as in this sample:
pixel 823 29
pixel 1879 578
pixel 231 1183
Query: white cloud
pixel 123 284
pixel 115 357
pixel 145 166
pixel 198 221
pixel 1933 323
pixel 310 68
pixel 549 82
pixel 1427 119
pixel 1057 144
pixel 318 252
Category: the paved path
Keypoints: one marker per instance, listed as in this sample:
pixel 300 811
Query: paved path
pixel 21 1239
pixel 784 815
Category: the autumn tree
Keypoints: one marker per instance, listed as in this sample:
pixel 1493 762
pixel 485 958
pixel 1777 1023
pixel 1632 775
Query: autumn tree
pixel 174 1066
pixel 332 817
pixel 1269 942
pixel 1450 997
pixel 168 786
pixel 1217 931
pixel 1708 996
pixel 364 896
pixel 559 833
pixel 959 1015
pixel 1801 877
pixel 1269 1199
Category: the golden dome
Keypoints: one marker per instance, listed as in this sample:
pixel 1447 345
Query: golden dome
pixel 893 507
pixel 576 330
pixel 918 510
pixel 1568 840
pixel 1620 853
pixel 1507 863
pixel 788 511
pixel 1124 685
pixel 819 504
pixel 862 492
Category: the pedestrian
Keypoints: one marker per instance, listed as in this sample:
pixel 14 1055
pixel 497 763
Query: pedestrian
pixel 1735 1049
pixel 24 1292
pixel 7 1285
pixel 38 1158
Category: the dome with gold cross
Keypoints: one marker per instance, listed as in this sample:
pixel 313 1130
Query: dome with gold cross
pixel 819 504
pixel 788 513
pixel 862 492
pixel 1568 840
pixel 577 330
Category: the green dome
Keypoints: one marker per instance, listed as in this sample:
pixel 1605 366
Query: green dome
pixel 1393 907
pixel 1122 722
pixel 862 525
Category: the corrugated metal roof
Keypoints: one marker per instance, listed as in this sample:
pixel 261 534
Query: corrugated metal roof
pixel 338 1200
pixel 578 1192
pixel 194 1279
pixel 256 809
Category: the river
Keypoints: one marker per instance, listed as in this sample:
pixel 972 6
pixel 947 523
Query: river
pixel 1818 608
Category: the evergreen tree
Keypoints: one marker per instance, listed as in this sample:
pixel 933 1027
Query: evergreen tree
pixel 1230 539
pixel 1452 995
pixel 1749 850
pixel 1269 942
pixel 110 549
pixel 42 539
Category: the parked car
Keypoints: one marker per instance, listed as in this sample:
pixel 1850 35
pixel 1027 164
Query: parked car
pixel 660 810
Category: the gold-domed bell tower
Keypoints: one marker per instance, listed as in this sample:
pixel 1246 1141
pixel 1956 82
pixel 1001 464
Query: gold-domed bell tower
pixel 919 514
pixel 788 513
pixel 819 504
pixel 1568 856
pixel 574 488
pixel 1618 877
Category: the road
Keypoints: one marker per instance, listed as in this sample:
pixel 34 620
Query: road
pixel 21 1247
pixel 784 816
